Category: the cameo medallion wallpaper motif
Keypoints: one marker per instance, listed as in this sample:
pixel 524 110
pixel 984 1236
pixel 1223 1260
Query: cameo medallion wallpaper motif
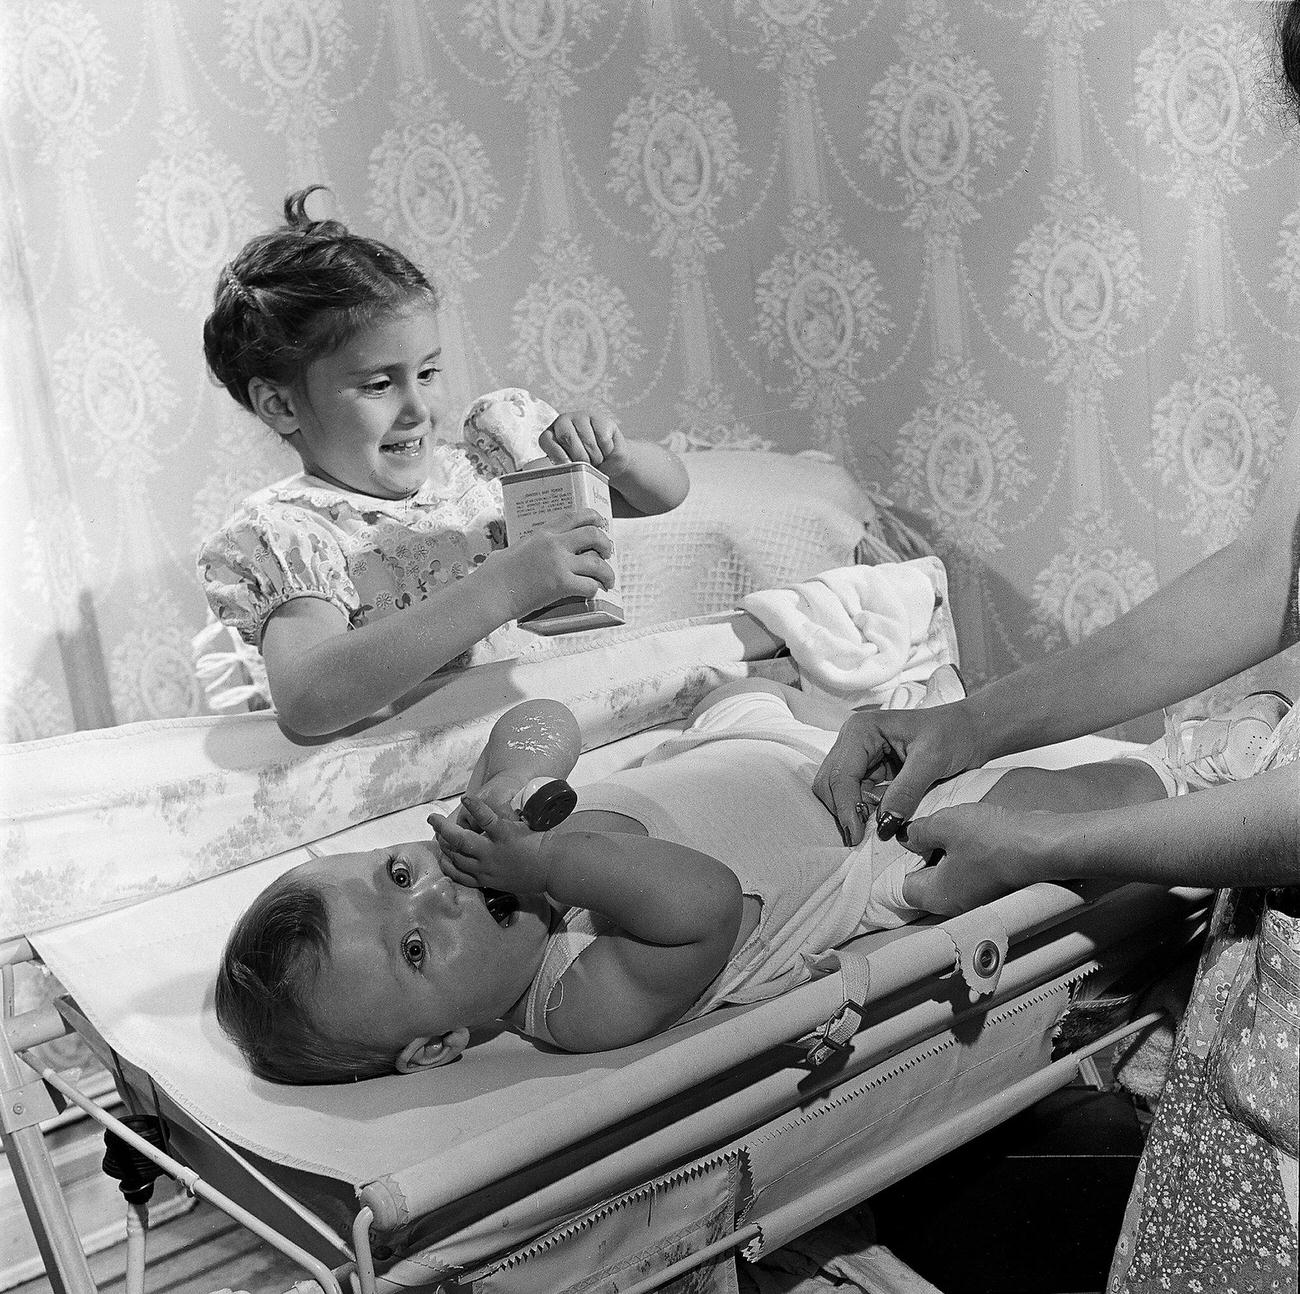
pixel 1029 268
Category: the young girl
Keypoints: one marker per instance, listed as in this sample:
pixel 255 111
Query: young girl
pixel 383 561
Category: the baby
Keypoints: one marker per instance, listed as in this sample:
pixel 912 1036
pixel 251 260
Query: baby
pixel 706 875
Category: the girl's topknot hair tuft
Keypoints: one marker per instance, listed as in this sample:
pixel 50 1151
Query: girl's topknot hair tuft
pixel 296 217
pixel 298 292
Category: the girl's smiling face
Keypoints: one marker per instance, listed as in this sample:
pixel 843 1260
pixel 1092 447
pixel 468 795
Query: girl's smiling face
pixel 413 953
pixel 362 417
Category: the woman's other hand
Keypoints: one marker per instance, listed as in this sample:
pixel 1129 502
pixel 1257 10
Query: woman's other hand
pixel 916 748
pixel 979 852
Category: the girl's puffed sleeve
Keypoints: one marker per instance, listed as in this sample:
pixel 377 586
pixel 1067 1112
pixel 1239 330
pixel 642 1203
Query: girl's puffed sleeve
pixel 500 430
pixel 263 558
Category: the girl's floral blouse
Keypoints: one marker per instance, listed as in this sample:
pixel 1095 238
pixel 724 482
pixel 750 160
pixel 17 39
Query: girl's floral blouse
pixel 303 537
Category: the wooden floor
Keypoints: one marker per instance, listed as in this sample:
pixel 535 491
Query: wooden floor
pixel 1079 1140
pixel 203 1252
pixel 196 1253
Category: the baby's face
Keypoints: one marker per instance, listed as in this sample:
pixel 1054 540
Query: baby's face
pixel 412 953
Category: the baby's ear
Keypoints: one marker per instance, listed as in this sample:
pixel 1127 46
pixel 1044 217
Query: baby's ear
pixel 429 1053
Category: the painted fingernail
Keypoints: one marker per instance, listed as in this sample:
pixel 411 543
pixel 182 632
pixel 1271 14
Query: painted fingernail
pixel 889 825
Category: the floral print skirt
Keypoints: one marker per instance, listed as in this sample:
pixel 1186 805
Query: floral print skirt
pixel 1214 1205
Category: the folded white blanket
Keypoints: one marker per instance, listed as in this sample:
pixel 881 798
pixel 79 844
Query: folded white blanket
pixel 859 632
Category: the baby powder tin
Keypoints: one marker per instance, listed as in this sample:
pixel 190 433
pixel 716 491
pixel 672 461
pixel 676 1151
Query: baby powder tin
pixel 539 495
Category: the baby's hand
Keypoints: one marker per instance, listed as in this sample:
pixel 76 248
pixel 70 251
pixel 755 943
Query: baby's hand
pixel 496 792
pixel 491 851
pixel 586 438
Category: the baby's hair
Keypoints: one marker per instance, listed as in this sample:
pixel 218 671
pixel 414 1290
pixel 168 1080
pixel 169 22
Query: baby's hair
pixel 299 292
pixel 267 968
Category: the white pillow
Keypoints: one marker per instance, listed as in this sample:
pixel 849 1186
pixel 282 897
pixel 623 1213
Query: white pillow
pixel 754 519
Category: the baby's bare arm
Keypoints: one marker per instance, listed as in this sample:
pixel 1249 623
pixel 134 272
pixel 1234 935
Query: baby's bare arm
pixel 675 914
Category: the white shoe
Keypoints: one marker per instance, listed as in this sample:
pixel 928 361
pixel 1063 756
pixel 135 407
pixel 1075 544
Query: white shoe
pixel 943 686
pixel 1226 747
pixel 906 696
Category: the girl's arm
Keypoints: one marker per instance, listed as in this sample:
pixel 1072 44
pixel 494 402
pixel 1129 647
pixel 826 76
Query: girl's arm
pixel 325 676
pixel 677 911
pixel 654 481
pixel 1244 833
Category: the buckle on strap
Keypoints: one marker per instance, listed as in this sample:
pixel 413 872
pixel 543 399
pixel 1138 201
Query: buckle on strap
pixel 835 1038
pixel 831 1042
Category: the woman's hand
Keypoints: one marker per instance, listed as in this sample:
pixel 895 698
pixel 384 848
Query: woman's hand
pixel 490 851
pixel 587 438
pixel 980 852
pixel 916 748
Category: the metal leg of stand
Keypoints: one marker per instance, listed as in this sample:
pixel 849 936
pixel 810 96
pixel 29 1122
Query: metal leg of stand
pixel 26 1102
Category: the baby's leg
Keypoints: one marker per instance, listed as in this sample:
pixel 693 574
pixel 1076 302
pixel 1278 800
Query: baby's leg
pixel 738 687
pixel 818 712
pixel 1105 784
pixel 755 639
pixel 1108 784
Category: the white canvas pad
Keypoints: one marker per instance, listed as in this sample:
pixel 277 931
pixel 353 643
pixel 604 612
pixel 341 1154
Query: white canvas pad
pixel 144 976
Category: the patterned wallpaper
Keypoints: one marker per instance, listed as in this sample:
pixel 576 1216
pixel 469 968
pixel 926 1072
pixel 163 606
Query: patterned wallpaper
pixel 1030 268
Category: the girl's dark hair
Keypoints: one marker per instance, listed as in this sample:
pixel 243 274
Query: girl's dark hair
pixel 267 969
pixel 299 292
pixel 1288 46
